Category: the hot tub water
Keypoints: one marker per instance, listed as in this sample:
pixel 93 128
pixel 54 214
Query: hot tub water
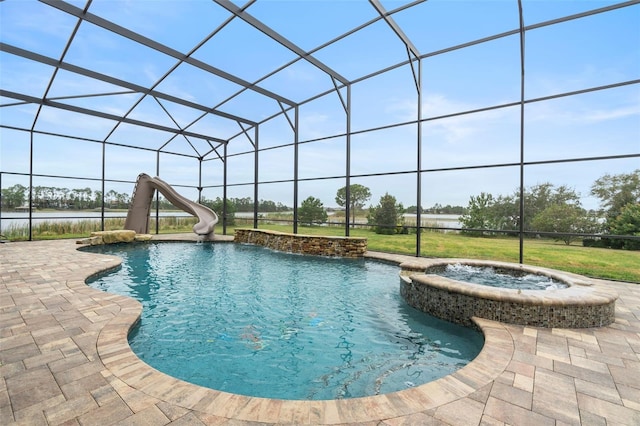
pixel 496 277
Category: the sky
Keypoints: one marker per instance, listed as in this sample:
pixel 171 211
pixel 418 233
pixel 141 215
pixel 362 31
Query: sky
pixel 577 55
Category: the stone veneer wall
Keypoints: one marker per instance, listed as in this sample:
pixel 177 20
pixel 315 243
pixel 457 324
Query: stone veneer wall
pixel 306 244
pixel 574 307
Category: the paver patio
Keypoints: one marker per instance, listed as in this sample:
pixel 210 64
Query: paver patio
pixel 64 359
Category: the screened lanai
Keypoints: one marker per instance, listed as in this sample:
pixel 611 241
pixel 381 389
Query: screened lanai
pixel 440 104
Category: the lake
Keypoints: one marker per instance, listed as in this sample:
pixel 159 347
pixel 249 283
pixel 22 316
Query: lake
pixel 17 219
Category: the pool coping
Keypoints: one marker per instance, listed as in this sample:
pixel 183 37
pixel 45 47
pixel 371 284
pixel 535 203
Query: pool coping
pixel 65 358
pixel 117 356
pixel 124 364
pixel 580 305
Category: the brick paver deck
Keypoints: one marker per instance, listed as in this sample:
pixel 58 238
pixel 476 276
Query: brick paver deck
pixel 64 359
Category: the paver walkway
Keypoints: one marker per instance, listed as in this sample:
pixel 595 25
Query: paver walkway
pixel 64 360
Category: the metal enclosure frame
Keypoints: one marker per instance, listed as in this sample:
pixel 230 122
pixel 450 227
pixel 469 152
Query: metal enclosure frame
pixel 289 109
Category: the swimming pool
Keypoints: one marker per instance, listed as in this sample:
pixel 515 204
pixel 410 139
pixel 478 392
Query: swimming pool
pixel 251 321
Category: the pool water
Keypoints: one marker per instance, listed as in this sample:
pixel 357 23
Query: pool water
pixel 487 275
pixel 248 320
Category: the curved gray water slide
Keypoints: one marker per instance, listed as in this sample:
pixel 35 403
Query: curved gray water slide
pixel 138 215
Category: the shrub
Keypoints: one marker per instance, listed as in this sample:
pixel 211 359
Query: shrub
pixel 387 216
pixel 626 223
pixel 312 211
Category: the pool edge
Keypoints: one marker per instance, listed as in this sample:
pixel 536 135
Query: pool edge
pixel 583 304
pixel 126 371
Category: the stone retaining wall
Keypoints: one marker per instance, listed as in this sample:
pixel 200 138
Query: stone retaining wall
pixel 581 305
pixel 113 237
pixel 305 244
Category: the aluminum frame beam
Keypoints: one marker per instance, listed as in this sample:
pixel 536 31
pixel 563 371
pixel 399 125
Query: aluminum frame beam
pixel 166 50
pixel 27 54
pixel 93 113
pixel 395 27
pixel 249 19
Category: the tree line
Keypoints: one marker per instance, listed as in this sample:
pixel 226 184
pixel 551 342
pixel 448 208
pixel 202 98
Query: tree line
pixel 557 209
pixel 51 197
pixel 546 209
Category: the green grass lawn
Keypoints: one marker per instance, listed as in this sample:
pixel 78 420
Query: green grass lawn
pixel 623 265
pixel 620 265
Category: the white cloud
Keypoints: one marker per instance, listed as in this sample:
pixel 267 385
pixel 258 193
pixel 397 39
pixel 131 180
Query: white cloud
pixel 299 74
pixel 460 128
pixel 580 110
pixel 315 125
pixel 58 120
pixel 614 113
pixel 26 24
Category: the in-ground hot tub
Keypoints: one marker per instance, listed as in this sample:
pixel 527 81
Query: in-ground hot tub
pixel 575 303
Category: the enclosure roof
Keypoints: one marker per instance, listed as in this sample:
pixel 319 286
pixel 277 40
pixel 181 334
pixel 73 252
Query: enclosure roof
pixel 188 76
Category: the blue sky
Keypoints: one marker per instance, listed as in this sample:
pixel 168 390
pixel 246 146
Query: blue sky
pixel 580 54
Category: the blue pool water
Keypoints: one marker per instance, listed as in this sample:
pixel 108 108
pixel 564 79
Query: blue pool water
pixel 251 321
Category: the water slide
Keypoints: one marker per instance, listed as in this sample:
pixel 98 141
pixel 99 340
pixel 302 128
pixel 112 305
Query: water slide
pixel 138 215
